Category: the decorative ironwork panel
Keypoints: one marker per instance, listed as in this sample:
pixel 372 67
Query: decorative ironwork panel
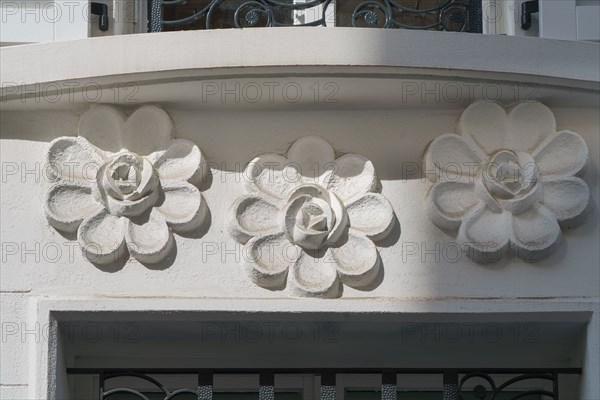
pixel 488 384
pixel 489 389
pixel 156 385
pixel 447 15
pixel 443 15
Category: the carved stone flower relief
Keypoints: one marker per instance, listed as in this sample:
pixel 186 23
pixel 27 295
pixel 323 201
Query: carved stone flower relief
pixel 311 219
pixel 508 181
pixel 122 183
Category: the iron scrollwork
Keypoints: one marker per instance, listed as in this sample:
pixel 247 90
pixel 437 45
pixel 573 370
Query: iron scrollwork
pixel 488 389
pixel 487 384
pixel 246 14
pixel 446 15
pixel 157 386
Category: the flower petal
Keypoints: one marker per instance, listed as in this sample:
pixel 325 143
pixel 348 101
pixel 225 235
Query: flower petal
pixel 253 216
pixel 74 159
pixel 352 177
pixel 268 259
pixel 564 154
pixel 148 237
pixel 102 126
pixel 180 161
pixel 373 215
pixel 448 202
pixel 486 124
pixel 271 174
pixel 183 207
pixel 535 233
pixel 357 260
pixel 102 237
pixel 147 130
pixel 68 204
pixel 484 234
pixel 312 155
pixel 528 124
pixel 315 275
pixel 567 198
pixel 452 157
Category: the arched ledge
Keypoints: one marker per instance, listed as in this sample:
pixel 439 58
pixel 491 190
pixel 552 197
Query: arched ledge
pixel 294 51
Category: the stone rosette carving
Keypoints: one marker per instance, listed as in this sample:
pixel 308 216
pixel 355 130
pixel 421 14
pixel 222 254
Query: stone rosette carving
pixel 123 184
pixel 309 220
pixel 508 181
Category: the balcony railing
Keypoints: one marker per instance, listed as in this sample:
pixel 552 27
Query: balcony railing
pixel 442 15
pixel 465 384
pixel 32 22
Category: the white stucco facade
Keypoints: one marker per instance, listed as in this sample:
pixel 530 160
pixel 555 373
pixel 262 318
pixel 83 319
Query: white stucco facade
pixel 382 96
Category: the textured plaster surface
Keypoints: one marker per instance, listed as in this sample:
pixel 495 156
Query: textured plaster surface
pixel 18 333
pixel 423 261
pixel 510 181
pixel 122 185
pixel 423 267
pixel 311 219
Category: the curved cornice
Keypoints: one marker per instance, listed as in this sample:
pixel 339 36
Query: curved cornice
pixel 308 50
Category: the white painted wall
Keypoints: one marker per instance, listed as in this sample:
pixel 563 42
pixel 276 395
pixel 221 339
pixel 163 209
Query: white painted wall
pixel 570 19
pixel 33 21
pixel 387 105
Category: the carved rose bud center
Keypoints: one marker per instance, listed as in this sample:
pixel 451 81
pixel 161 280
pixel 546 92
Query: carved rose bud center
pixel 505 175
pixel 126 177
pixel 314 217
pixel 128 184
pixel 510 175
pixel 511 179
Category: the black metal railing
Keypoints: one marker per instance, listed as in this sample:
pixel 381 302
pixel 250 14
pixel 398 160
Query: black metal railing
pixel 480 384
pixel 446 15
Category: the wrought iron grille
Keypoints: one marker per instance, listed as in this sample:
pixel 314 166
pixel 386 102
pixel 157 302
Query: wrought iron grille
pixel 446 15
pixel 482 383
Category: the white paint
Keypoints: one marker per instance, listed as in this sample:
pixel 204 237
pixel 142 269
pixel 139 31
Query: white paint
pixel 588 22
pixel 117 200
pixel 499 58
pixel 508 181
pixel 29 21
pixel 15 340
pixel 424 279
pixel 558 19
pixel 309 218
